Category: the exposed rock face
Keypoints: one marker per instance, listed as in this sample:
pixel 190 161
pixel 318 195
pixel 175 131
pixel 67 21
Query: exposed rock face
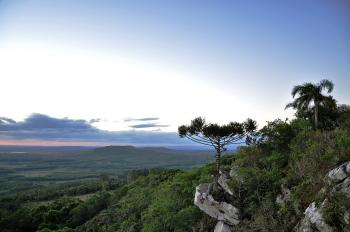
pixel 340 173
pixel 223 180
pixel 222 227
pixel 339 178
pixel 222 211
pixel 344 187
pixel 313 216
pixel 226 214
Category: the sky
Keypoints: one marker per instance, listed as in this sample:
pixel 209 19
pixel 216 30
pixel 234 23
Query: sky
pixel 130 72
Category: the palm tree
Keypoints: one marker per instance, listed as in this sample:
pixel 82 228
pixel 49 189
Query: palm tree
pixel 310 98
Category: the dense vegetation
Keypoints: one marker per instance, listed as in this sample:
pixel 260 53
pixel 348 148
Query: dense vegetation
pixel 294 154
pixel 157 200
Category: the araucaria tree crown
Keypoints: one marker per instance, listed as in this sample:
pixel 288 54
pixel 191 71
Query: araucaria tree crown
pixel 218 136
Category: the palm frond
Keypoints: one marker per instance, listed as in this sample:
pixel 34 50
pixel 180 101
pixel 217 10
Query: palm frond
pixel 290 105
pixel 326 84
pixel 296 90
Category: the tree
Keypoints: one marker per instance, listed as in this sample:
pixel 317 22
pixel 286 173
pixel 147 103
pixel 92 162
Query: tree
pixel 327 114
pixel 218 136
pixel 105 181
pixel 343 114
pixel 311 99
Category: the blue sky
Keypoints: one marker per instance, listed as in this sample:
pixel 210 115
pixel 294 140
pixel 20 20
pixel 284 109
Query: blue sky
pixel 171 60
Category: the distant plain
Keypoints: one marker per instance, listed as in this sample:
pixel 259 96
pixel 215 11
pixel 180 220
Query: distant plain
pixel 23 168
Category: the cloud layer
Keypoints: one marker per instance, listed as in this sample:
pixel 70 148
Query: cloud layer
pixel 45 128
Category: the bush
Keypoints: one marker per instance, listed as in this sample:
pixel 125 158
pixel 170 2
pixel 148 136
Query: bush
pixel 334 210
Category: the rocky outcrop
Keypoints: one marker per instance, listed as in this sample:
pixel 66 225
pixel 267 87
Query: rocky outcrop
pixel 313 218
pixel 339 180
pixel 222 227
pixel 340 173
pixel 341 177
pixel 226 214
pixel 223 182
pixel 222 211
pixel 344 187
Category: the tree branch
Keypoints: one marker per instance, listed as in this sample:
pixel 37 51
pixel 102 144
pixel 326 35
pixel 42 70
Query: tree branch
pixel 198 141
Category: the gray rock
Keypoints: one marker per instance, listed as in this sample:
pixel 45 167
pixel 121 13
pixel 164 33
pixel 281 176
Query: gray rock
pixel 304 225
pixel 339 181
pixel 313 217
pixel 222 227
pixel 223 180
pixel 222 211
pixel 284 196
pixel 344 187
pixel 338 174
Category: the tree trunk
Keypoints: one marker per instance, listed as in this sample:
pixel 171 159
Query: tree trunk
pixel 218 160
pixel 316 115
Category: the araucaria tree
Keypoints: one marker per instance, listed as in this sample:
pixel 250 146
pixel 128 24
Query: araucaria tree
pixel 311 99
pixel 218 136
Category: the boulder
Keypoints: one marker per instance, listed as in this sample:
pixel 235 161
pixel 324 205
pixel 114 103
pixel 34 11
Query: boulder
pixel 344 187
pixel 223 182
pixel 313 218
pixel 339 180
pixel 222 211
pixel 338 174
pixel 222 227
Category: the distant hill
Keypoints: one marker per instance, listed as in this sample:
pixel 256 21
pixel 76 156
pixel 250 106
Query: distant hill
pixel 17 148
pixel 23 167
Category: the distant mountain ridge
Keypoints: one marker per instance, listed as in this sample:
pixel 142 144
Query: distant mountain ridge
pixel 9 148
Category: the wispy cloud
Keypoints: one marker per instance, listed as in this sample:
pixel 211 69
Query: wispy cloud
pixel 141 119
pixel 147 125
